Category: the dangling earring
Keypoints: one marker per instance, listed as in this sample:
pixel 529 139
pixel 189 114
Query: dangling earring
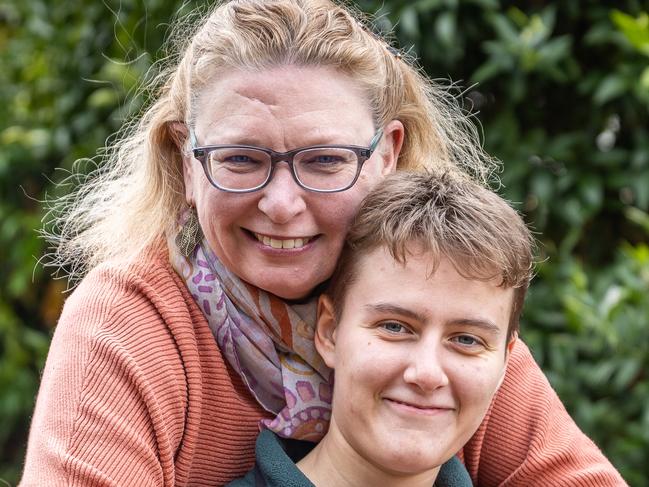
pixel 190 233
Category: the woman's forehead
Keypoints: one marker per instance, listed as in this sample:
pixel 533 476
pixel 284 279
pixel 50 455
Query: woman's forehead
pixel 293 104
pixel 293 88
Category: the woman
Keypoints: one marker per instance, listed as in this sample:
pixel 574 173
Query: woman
pixel 175 346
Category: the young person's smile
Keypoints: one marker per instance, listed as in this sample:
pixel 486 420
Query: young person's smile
pixel 415 407
pixel 283 238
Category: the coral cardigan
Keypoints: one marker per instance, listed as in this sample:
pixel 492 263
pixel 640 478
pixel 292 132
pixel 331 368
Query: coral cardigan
pixel 135 392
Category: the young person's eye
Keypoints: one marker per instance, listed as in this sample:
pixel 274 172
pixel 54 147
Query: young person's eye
pixel 468 341
pixel 394 327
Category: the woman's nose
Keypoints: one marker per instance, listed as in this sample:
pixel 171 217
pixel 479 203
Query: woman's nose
pixel 425 369
pixel 282 199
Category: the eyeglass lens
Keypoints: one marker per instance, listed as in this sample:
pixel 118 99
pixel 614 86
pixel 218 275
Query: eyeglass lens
pixel 238 168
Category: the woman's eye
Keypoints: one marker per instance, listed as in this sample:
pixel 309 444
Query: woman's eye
pixel 231 157
pixel 324 159
pixel 239 159
pixel 327 159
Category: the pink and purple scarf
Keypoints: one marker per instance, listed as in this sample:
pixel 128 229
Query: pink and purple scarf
pixel 268 342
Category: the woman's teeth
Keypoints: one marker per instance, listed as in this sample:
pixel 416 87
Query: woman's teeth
pixel 291 243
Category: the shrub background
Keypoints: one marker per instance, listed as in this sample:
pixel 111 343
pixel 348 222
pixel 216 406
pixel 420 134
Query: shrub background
pixel 561 91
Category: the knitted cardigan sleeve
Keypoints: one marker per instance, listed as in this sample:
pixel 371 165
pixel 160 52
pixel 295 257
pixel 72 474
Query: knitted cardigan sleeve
pixel 528 438
pixel 135 392
pixel 97 395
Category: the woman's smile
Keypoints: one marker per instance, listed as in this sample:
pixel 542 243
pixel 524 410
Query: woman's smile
pixel 277 242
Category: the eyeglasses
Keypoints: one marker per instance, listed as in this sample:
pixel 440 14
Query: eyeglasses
pixel 321 168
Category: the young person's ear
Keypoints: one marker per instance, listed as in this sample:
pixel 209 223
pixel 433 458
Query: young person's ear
pixel 508 351
pixel 510 345
pixel 393 134
pixel 325 332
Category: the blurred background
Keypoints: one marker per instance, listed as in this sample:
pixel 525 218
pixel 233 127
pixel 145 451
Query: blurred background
pixel 561 94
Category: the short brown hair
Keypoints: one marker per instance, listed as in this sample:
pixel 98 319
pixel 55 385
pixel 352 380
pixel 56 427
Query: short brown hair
pixel 447 215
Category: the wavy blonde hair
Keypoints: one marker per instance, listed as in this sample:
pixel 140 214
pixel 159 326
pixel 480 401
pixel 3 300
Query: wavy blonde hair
pixel 136 194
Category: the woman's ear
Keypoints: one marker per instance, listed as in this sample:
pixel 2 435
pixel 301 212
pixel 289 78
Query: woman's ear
pixel 393 134
pixel 325 332
pixel 179 133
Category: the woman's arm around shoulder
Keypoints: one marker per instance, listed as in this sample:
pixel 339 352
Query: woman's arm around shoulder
pixel 111 408
pixel 528 438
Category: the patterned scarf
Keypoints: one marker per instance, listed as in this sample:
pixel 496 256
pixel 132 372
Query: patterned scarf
pixel 267 341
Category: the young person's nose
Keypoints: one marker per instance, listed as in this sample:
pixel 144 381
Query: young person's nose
pixel 282 199
pixel 425 369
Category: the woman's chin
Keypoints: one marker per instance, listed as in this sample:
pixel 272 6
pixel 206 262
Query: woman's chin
pixel 285 286
pixel 288 293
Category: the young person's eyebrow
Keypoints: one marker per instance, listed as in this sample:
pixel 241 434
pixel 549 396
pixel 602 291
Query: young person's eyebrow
pixel 486 325
pixel 393 309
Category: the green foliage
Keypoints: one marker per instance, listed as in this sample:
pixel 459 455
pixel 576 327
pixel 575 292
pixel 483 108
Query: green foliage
pixel 588 326
pixel 562 95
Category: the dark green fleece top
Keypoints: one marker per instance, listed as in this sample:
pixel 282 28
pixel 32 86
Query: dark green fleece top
pixel 276 457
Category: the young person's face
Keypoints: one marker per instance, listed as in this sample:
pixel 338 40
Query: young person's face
pixel 283 238
pixel 417 360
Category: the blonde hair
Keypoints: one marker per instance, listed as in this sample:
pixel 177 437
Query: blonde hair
pixel 443 214
pixel 137 193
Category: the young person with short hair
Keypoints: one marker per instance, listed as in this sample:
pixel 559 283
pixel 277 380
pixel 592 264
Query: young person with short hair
pixel 417 324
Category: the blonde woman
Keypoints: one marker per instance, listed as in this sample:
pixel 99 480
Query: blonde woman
pixel 203 242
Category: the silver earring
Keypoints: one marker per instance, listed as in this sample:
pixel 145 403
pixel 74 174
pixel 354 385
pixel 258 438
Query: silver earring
pixel 190 234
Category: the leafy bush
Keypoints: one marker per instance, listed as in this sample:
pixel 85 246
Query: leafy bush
pixel 561 92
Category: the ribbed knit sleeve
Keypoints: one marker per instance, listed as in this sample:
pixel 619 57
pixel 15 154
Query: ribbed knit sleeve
pixel 135 391
pixel 528 438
